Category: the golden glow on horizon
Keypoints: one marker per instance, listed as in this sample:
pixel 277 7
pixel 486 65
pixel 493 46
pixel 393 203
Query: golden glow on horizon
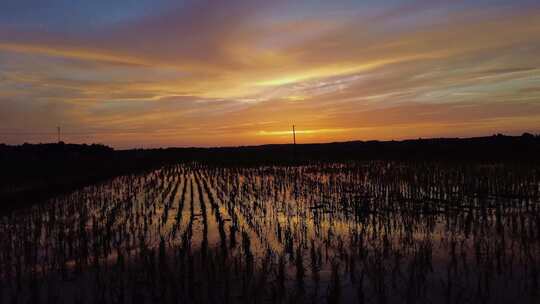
pixel 273 133
pixel 463 75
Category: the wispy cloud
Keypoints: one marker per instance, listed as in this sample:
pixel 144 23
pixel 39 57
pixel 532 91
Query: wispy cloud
pixel 339 70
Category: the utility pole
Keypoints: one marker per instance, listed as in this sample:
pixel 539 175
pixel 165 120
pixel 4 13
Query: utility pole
pixel 58 129
pixel 294 135
pixel 294 143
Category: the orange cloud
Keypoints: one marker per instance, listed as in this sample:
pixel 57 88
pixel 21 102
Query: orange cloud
pixel 160 79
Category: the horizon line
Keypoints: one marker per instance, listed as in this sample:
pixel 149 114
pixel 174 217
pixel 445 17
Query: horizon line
pixel 535 134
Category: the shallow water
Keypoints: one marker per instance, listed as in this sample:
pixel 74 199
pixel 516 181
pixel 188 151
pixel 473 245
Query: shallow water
pixel 376 232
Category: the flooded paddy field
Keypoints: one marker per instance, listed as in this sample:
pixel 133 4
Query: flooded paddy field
pixel 360 232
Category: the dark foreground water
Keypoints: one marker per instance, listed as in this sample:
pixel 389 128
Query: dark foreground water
pixel 372 232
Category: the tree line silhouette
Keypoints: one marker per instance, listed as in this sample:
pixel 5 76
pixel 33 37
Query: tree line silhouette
pixel 41 171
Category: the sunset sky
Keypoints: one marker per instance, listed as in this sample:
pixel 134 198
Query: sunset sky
pixel 148 73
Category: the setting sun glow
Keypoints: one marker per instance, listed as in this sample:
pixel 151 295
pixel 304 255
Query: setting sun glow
pixel 193 73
